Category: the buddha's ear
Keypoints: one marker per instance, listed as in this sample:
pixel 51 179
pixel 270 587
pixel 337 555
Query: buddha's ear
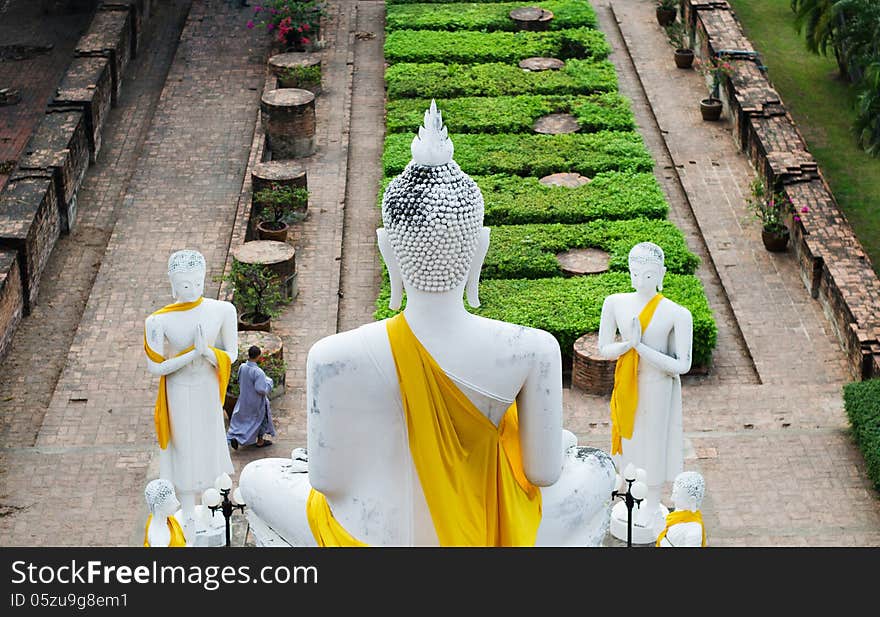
pixel 472 289
pixel 387 252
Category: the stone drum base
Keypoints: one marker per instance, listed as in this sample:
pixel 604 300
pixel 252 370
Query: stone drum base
pixel 640 535
pixel 590 372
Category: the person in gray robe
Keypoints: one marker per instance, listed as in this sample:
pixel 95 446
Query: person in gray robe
pixel 251 419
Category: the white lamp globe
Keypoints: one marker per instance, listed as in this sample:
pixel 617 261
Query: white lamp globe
pixel 211 497
pixel 223 482
pixel 630 472
pixel 237 496
pixel 639 490
pixel 641 475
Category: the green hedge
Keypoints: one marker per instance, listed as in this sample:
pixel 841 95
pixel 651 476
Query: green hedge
pixel 529 251
pixel 533 155
pixel 570 307
pixel 443 81
pixel 486 17
pixel 392 2
pixel 513 114
pixel 612 195
pixel 862 403
pixel 473 47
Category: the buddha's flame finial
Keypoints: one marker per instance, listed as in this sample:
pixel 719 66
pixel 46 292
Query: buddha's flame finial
pixel 432 146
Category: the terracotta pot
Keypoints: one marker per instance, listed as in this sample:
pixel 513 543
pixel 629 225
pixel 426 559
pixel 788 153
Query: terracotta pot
pixel 684 58
pixel 246 323
pixel 711 108
pixel 267 233
pixel 775 242
pixel 666 16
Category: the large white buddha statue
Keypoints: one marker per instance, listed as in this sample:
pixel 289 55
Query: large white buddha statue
pixel 191 345
pixel 434 427
pixel 657 337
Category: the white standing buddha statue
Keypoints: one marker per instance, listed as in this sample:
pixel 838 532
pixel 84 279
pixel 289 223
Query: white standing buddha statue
pixel 684 526
pixel 436 426
pixel 191 345
pixel 646 417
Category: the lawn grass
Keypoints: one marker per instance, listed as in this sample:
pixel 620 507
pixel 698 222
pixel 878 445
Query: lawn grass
pixel 822 106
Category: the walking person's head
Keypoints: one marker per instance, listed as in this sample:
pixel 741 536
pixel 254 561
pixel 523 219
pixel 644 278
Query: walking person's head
pixel 254 353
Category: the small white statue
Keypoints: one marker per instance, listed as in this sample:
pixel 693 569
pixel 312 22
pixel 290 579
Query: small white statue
pixel 162 528
pixel 684 525
pixel 655 351
pixel 434 427
pixel 191 345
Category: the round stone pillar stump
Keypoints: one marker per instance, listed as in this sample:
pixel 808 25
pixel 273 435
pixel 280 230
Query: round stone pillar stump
pixel 532 18
pixel 297 70
pixel 591 372
pixel 286 172
pixel 539 63
pixel 278 257
pixel 581 262
pixel 287 116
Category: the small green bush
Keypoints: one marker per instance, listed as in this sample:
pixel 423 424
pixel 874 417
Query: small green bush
pixel 443 81
pixel 533 155
pixel 473 47
pixel 512 114
pixel 612 195
pixel 861 400
pixel 529 251
pixel 570 307
pixel 484 16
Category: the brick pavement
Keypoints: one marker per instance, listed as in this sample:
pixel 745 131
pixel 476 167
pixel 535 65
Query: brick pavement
pixel 97 429
pixel 34 74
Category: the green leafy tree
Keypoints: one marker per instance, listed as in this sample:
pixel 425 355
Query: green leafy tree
pixel 816 18
pixel 256 291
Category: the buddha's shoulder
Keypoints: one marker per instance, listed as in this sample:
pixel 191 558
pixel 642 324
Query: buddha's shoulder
pixel 219 305
pixel 350 344
pixel 505 334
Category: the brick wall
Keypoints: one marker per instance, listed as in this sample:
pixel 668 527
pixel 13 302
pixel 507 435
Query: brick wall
pixel 833 264
pixel 87 86
pixel 11 298
pixel 109 36
pixel 29 225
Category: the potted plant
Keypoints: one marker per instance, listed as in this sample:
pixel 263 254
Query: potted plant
pixel 294 23
pixel 666 11
pixel 303 77
pixel 771 207
pixel 280 205
pixel 711 106
pixel 257 295
pixel 678 37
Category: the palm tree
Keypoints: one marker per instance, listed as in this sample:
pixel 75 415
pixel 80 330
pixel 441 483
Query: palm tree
pixel 867 126
pixel 817 18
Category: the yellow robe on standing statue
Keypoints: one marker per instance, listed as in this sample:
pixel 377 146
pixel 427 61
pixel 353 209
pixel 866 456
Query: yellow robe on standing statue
pixel 470 470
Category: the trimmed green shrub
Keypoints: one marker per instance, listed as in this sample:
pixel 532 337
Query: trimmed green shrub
pixel 473 47
pixel 484 16
pixel 512 114
pixel 443 81
pixel 533 155
pixel 612 195
pixel 570 307
pixel 529 251
pixel 861 400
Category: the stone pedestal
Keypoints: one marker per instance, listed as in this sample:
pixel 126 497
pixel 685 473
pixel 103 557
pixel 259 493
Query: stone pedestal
pixel 30 226
pixel 278 257
pixel 566 179
pixel 11 298
pixel 59 149
pixel 135 9
pixel 87 86
pixel 288 118
pixel 640 534
pixel 109 36
pixel 541 64
pixel 286 172
pixel 581 262
pixel 591 372
pixel 285 66
pixel 209 531
pixel 532 18
pixel 556 124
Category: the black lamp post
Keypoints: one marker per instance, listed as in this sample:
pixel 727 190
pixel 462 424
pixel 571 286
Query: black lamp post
pixel 227 506
pixel 629 499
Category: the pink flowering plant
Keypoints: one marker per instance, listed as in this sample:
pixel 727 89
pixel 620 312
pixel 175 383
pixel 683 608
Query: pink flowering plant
pixel 717 68
pixel 292 22
pixel 771 207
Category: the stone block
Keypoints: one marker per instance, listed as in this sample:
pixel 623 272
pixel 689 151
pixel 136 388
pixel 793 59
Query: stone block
pixel 287 116
pixel 136 10
pixel 87 86
pixel 109 36
pixel 60 147
pixel 30 226
pixel 11 298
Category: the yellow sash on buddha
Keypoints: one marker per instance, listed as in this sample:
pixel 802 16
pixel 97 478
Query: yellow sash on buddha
pixel 177 537
pixel 470 470
pixel 625 395
pixel 684 516
pixel 224 368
